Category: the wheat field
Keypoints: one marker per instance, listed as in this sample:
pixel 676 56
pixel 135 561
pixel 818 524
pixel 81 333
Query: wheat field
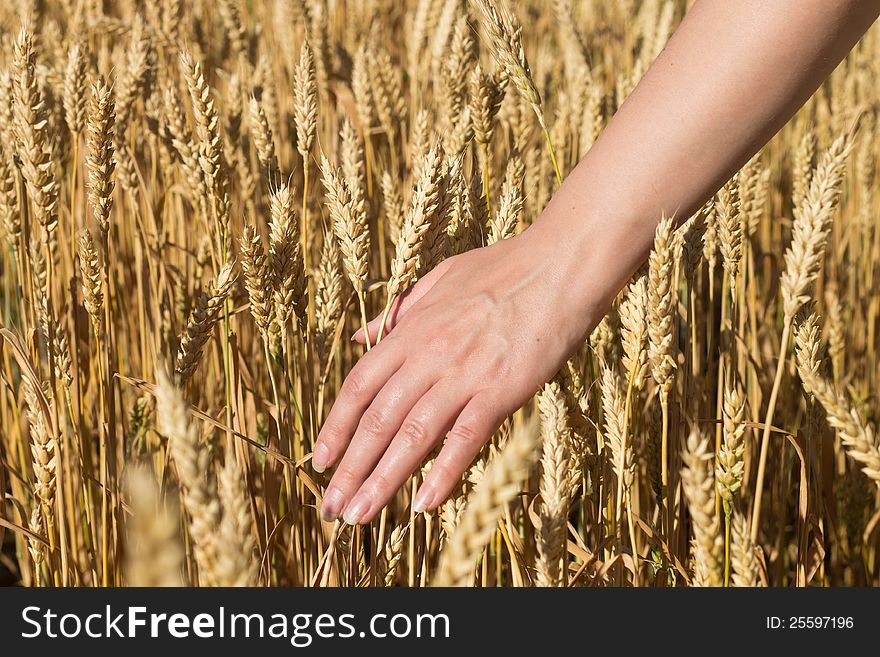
pixel 202 201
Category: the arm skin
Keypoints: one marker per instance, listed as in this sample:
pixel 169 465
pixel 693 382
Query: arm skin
pixel 473 340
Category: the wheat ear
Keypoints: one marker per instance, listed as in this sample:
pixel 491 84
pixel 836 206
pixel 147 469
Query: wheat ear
pixel 633 313
pixel 210 144
pixel 812 224
pixel 305 105
pixel 505 35
pixel 44 452
pixel 235 548
pixel 286 260
pixel 699 489
pixel 193 461
pixel 498 486
pixel 393 552
pixel 74 96
pixel 257 280
pixel 100 161
pixel 730 231
pixel 92 281
pixel 742 554
pixel 661 315
pixel 202 322
pixel 554 485
pixel 328 296
pixel 31 131
pixel 859 438
pixel 505 222
pixel 153 550
pixel 351 227
pixel 264 141
pixel 426 201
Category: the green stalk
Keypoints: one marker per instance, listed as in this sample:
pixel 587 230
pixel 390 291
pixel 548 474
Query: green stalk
pixel 552 154
pixel 727 511
pixel 486 180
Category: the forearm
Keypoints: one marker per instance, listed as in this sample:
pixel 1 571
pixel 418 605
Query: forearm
pixel 730 77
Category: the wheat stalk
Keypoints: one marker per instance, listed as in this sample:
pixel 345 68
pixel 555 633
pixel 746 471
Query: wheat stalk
pixel 661 308
pixel 812 223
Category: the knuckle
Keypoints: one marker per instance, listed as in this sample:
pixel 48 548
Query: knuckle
pixel 414 433
pixel 406 318
pixel 464 432
pixel 373 422
pixel 438 344
pixel 355 385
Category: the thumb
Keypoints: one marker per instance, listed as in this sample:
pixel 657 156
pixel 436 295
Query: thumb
pixel 401 304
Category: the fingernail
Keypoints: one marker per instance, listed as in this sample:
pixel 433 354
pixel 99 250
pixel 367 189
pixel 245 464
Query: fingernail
pixel 357 335
pixel 331 507
pixel 358 508
pixel 320 458
pixel 424 498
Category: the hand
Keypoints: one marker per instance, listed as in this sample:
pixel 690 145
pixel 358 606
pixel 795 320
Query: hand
pixel 464 348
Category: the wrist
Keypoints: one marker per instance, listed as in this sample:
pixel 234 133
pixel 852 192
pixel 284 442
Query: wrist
pixel 597 247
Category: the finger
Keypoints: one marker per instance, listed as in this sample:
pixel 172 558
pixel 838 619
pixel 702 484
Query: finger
pixel 426 423
pixel 401 304
pixel 374 432
pixel 476 423
pixel 360 387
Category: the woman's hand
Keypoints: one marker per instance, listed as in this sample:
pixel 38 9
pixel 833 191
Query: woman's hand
pixel 465 347
pixel 475 338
